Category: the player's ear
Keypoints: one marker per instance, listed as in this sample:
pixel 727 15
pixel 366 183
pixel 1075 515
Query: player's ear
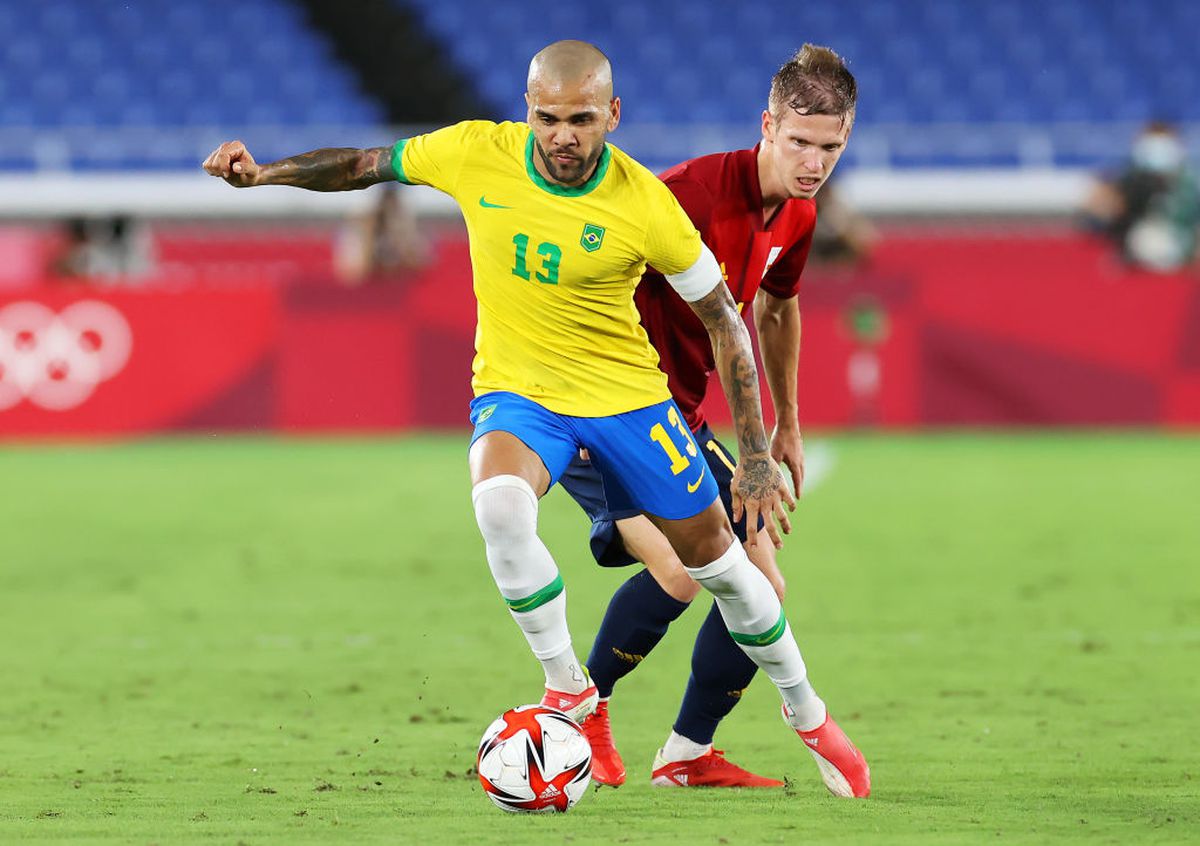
pixel 614 113
pixel 767 131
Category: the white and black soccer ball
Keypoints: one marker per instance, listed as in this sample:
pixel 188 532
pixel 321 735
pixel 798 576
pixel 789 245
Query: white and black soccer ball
pixel 534 759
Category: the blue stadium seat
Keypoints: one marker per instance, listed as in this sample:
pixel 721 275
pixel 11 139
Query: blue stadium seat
pixel 150 62
pixel 941 60
pixel 174 63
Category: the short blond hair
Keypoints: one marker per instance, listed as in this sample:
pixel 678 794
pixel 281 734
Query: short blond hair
pixel 815 81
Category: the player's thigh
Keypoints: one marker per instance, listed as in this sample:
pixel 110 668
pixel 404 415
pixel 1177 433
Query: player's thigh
pixel 583 482
pixel 622 538
pixel 647 544
pixel 503 454
pixel 649 462
pixel 515 436
pixel 700 539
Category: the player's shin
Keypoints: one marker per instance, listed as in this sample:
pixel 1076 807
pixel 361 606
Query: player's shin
pixel 755 619
pixel 721 671
pixel 636 620
pixel 506 511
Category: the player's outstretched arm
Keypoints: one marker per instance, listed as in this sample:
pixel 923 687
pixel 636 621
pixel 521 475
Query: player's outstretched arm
pixel 330 169
pixel 778 321
pixel 758 486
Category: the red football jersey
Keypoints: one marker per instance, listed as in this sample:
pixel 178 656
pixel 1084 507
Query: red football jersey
pixel 722 196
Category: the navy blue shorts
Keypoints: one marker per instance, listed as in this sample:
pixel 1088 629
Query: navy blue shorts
pixel 647 457
pixel 584 483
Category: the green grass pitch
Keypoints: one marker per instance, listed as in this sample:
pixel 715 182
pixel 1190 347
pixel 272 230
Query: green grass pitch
pixel 297 641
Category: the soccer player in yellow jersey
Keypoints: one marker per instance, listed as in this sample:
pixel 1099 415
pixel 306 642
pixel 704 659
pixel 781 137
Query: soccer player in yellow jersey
pixel 561 226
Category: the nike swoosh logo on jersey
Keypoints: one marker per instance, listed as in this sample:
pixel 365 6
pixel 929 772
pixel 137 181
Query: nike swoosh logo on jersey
pixel 483 202
pixel 695 486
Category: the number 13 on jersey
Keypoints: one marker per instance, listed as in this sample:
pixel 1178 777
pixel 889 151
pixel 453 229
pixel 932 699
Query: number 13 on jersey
pixel 550 254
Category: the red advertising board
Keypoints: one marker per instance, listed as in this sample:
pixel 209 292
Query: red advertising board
pixel 948 329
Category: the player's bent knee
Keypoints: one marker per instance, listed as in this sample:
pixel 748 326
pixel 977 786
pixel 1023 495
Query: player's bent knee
pixel 701 539
pixel 677 583
pixel 505 509
pixel 710 549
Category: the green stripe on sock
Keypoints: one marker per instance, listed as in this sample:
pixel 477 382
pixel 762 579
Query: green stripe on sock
pixel 538 599
pixel 766 638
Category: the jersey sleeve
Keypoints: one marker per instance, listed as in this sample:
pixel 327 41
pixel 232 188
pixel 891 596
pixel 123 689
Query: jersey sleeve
pixel 435 158
pixel 672 242
pixel 783 279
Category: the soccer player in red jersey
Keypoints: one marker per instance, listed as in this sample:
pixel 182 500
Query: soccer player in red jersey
pixel 755 210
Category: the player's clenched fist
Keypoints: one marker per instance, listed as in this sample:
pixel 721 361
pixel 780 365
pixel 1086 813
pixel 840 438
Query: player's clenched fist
pixel 233 163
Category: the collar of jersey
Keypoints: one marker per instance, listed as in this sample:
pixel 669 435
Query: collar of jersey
pixel 566 190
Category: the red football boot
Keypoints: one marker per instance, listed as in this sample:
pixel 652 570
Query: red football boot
pixel 607 766
pixel 843 768
pixel 577 706
pixel 710 770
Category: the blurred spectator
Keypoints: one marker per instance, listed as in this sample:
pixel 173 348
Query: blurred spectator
pixel 384 245
pixel 75 256
pixel 842 235
pixel 108 251
pixel 865 321
pixel 1151 208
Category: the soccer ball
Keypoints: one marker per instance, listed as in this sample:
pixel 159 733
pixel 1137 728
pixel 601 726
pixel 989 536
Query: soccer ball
pixel 534 759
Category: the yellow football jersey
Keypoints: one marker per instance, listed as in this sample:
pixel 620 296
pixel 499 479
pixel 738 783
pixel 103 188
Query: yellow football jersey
pixel 555 267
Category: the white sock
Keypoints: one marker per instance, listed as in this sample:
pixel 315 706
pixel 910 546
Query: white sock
pixel 679 748
pixel 804 710
pixel 564 672
pixel 755 619
pixel 506 510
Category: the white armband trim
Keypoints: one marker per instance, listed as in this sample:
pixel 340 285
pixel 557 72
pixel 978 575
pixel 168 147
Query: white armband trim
pixel 699 280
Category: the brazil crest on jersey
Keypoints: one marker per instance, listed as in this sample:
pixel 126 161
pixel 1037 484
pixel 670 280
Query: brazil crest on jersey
pixel 555 267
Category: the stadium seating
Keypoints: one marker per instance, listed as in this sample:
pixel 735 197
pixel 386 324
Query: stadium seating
pixel 176 67
pixel 81 64
pixel 918 62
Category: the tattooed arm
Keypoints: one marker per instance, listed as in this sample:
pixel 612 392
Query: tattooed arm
pixel 331 169
pixel 758 486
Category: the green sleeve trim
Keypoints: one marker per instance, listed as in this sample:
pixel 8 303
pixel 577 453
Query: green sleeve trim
pixel 766 638
pixel 398 161
pixel 537 599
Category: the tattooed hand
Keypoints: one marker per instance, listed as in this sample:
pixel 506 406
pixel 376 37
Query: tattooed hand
pixel 758 488
pixel 331 169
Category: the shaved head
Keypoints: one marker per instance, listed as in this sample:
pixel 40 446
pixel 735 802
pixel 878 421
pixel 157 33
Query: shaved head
pixel 574 65
pixel 571 110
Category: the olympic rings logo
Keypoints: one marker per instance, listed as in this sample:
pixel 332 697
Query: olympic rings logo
pixel 56 361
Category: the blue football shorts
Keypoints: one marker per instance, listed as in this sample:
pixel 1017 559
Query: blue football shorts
pixel 586 486
pixel 647 458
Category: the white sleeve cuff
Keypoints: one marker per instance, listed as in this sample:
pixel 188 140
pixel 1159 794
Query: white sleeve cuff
pixel 699 280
